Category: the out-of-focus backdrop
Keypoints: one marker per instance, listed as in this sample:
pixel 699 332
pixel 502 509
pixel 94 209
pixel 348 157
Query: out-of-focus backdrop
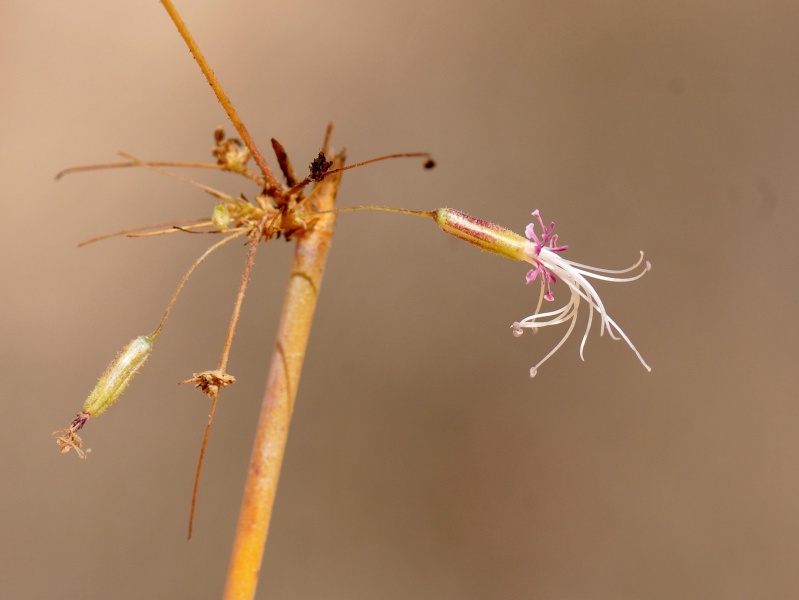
pixel 422 462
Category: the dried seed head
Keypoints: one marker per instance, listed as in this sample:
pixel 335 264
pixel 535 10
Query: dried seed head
pixel 210 382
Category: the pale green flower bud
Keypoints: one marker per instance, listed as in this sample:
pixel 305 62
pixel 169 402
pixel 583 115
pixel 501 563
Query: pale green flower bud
pixel 220 217
pixel 118 375
pixel 107 391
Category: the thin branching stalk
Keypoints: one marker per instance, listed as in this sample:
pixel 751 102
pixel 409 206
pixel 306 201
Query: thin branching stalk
pixel 221 371
pixel 222 96
pixel 278 403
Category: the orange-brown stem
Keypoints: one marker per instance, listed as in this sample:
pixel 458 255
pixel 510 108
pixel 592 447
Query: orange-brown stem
pixel 215 193
pixel 296 187
pixel 122 165
pixel 214 399
pixel 429 164
pixel 278 402
pixel 222 96
pixel 245 279
pixel 135 231
pixel 156 163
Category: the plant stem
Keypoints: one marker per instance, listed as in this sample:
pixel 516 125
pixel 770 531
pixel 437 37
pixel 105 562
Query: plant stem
pixel 255 241
pixel 271 181
pixel 278 402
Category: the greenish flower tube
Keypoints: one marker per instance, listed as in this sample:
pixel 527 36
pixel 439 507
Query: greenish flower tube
pixel 484 234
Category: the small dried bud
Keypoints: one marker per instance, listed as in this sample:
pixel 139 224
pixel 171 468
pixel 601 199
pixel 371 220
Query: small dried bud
pixel 320 166
pixel 230 153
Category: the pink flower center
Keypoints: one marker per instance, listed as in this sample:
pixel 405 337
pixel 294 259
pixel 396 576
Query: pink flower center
pixel 549 241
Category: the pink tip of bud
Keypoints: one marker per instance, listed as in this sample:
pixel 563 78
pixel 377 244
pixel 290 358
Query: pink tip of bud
pixel 533 372
pixel 517 329
pixel 648 266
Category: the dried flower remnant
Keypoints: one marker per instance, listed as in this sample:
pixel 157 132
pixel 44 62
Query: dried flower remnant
pixel 230 153
pixel 210 382
pixel 319 167
pixel 543 252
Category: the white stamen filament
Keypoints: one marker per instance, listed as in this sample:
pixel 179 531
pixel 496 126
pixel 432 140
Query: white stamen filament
pixel 574 276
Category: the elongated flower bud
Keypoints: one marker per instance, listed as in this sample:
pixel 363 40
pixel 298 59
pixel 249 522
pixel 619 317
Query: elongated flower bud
pixel 118 375
pixel 108 390
pixel 484 234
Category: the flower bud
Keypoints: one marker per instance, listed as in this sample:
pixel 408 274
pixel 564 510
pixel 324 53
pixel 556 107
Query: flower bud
pixel 118 375
pixel 220 217
pixel 107 391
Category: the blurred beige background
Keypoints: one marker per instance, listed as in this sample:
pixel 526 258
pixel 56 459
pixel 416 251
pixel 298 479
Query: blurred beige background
pixel 422 462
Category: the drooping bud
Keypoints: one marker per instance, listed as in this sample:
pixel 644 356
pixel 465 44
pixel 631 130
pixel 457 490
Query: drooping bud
pixel 108 390
pixel 118 375
pixel 485 235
